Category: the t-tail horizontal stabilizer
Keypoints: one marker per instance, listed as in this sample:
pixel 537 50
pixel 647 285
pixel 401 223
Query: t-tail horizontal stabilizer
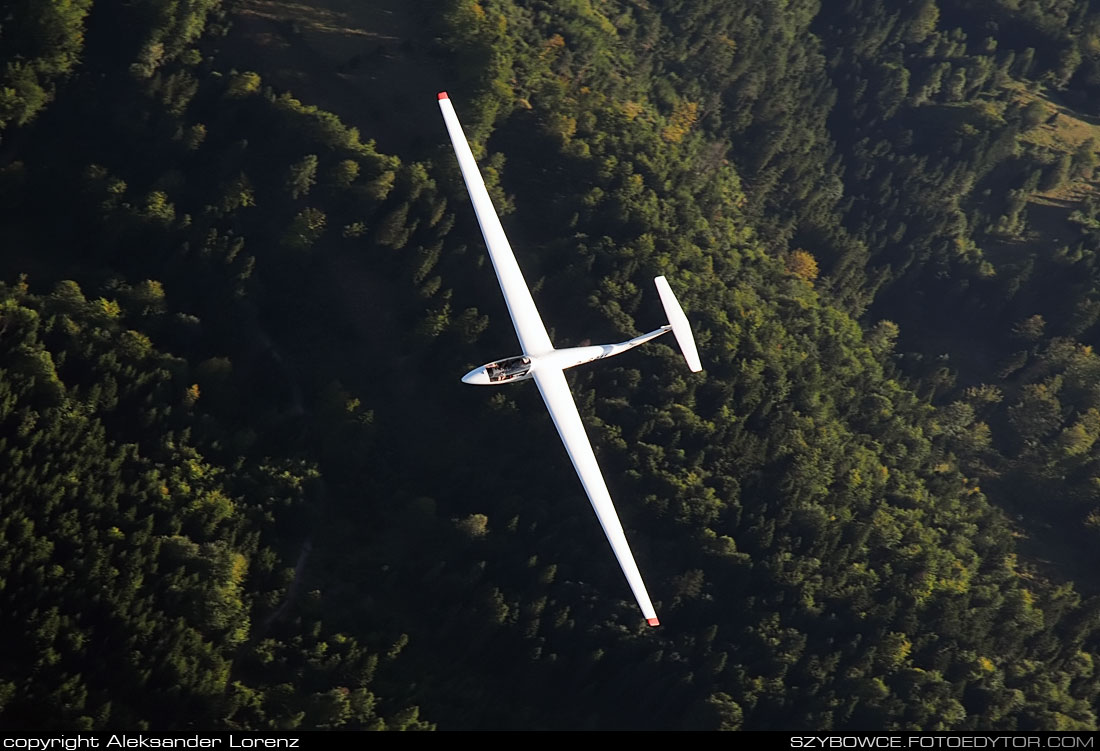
pixel 679 322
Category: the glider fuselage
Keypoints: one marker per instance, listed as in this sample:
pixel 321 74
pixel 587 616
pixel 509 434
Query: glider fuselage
pixel 523 367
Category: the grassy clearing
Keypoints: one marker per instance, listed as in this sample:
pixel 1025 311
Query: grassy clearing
pixel 1061 131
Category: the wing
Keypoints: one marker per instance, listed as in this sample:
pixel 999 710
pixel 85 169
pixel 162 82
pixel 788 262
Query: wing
pixel 525 316
pixel 555 392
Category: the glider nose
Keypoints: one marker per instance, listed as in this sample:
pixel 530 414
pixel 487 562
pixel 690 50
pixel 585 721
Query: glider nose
pixel 477 377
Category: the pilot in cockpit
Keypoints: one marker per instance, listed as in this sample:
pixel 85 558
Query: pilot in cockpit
pixel 518 366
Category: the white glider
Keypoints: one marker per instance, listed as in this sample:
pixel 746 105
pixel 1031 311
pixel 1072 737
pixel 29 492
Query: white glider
pixel 542 362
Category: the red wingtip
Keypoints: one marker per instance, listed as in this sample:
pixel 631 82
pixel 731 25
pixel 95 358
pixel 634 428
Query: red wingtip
pixel 652 621
pixel 442 95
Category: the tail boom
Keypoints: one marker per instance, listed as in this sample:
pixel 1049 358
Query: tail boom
pixel 573 356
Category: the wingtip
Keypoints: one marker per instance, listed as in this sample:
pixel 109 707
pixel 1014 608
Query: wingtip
pixel 442 95
pixel 652 621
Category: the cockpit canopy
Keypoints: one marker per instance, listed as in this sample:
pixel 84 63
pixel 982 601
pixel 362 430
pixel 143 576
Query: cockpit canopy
pixel 508 369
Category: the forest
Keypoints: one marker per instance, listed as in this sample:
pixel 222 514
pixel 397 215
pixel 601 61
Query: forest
pixel 242 486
